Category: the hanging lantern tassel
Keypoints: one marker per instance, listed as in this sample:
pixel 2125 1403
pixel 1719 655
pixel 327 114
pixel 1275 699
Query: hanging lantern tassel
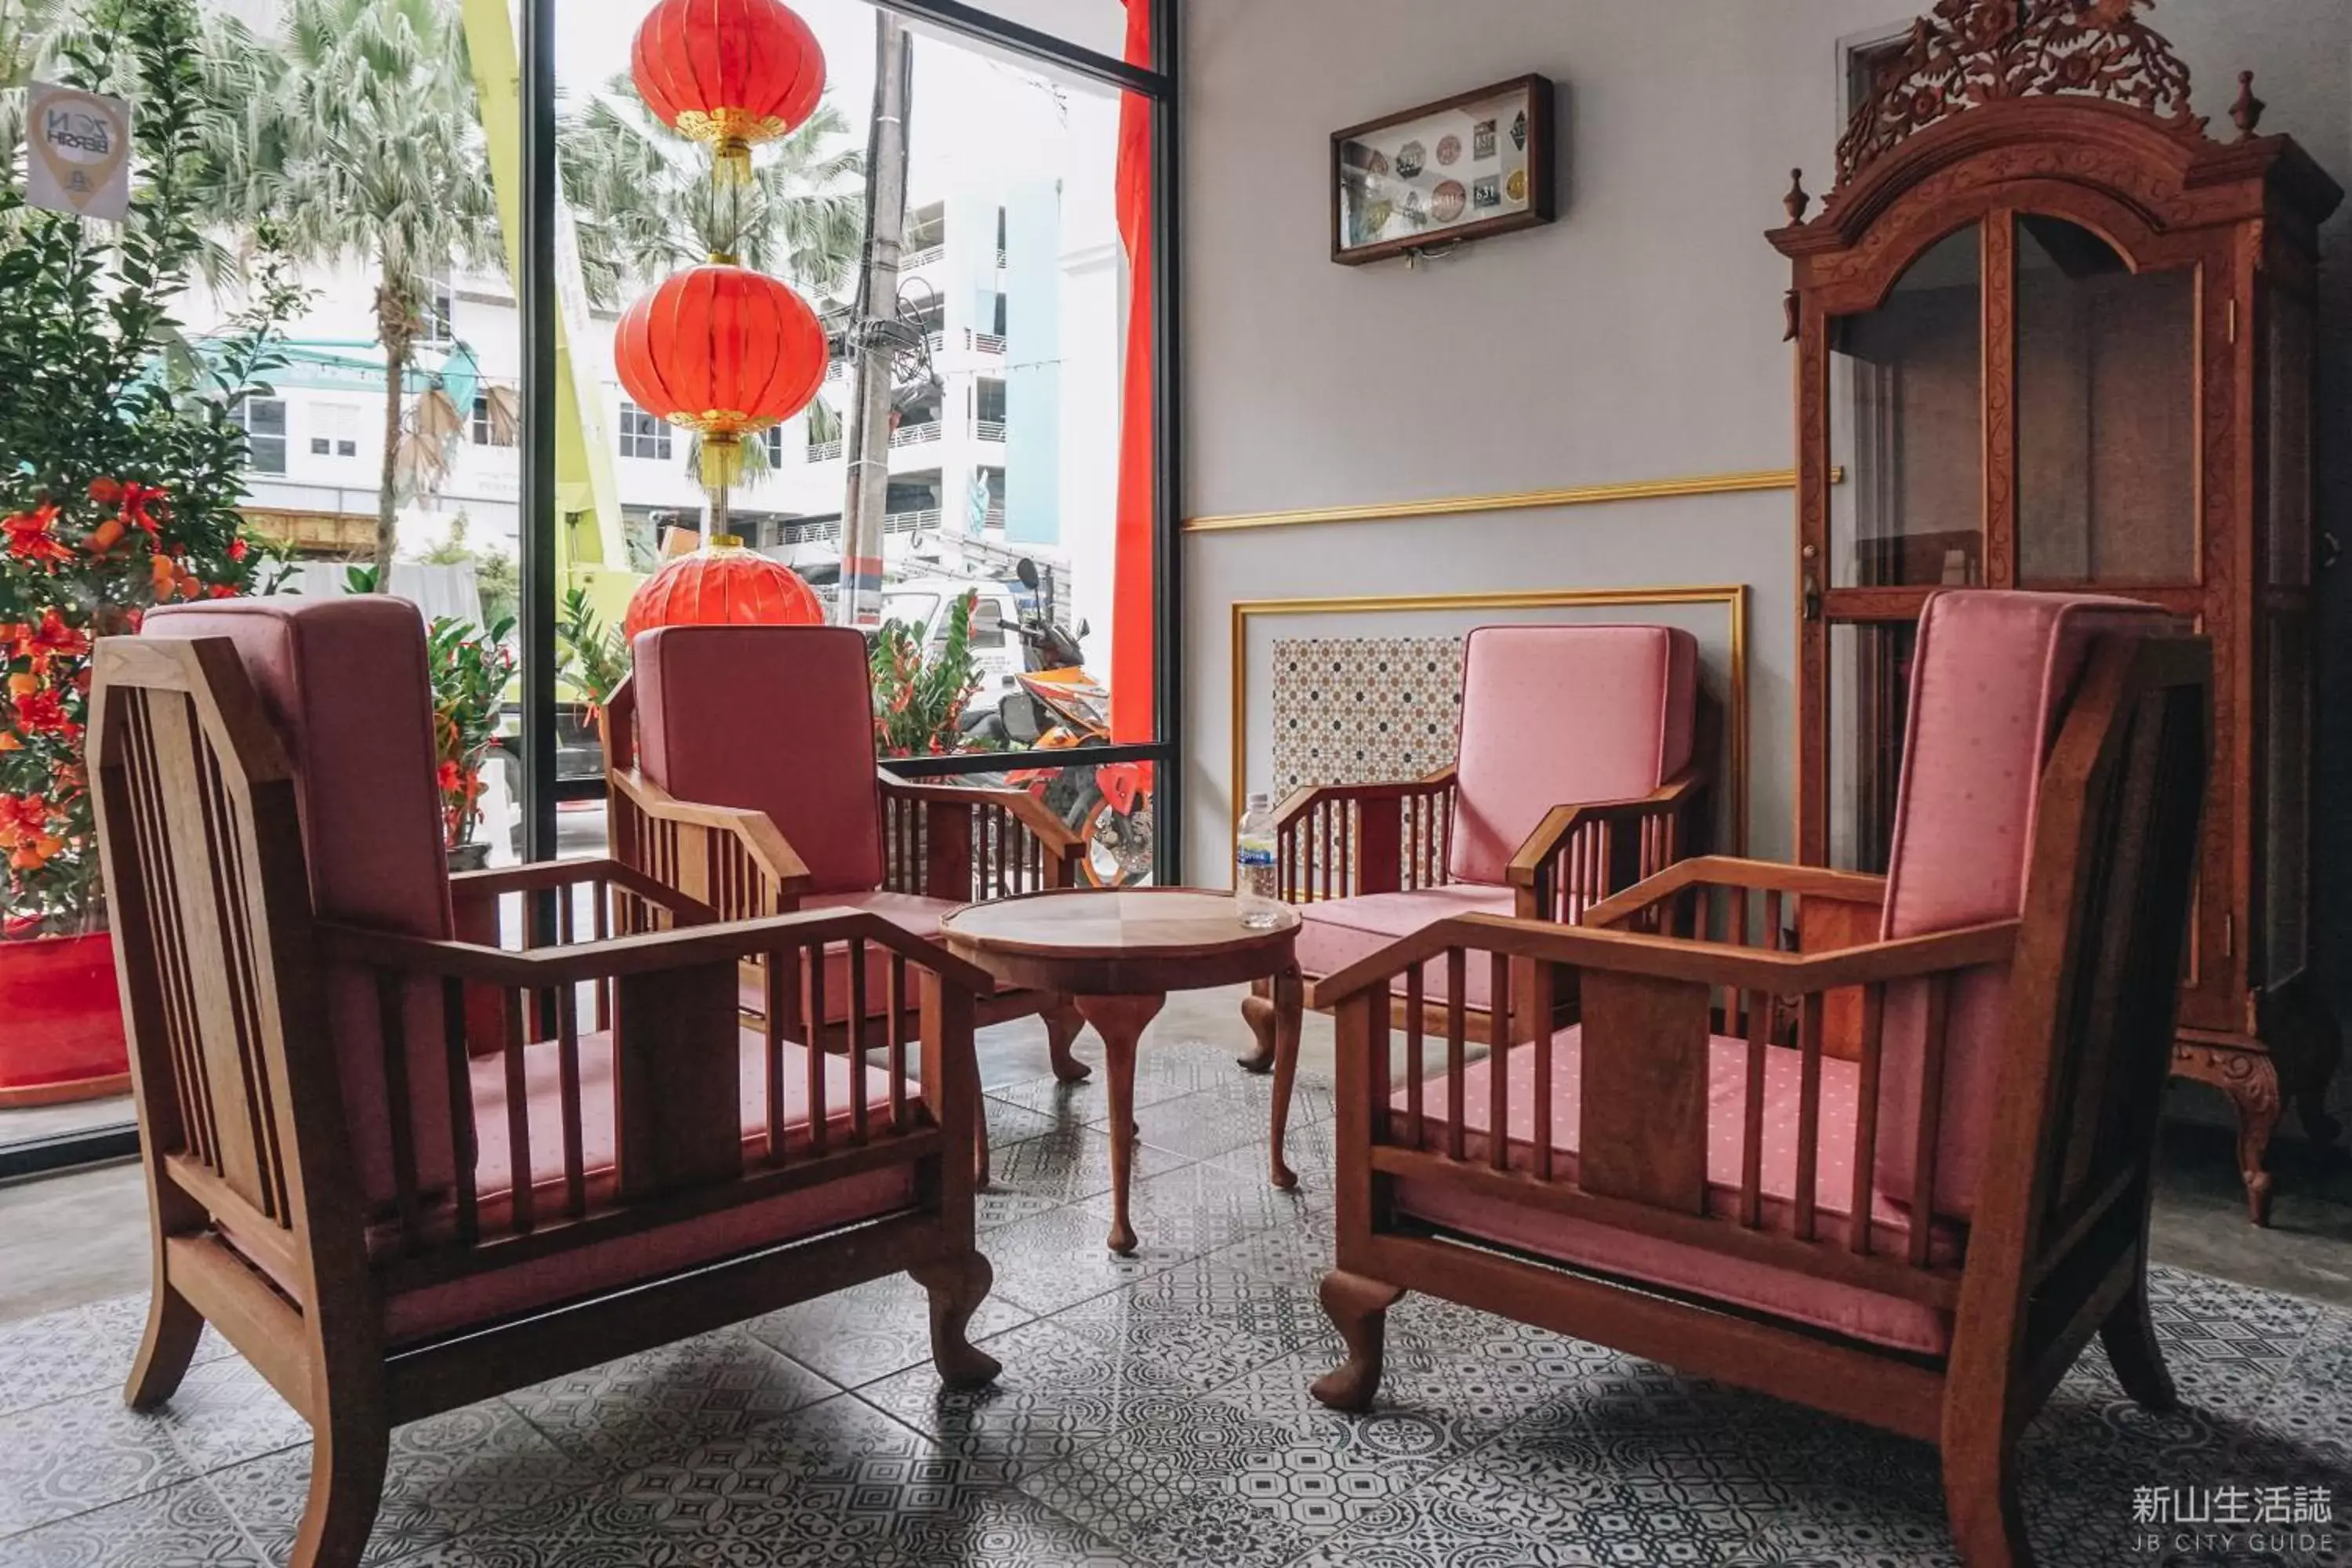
pixel 730 162
pixel 722 461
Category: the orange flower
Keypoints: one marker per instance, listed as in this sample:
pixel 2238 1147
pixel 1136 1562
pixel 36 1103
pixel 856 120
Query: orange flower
pixel 238 549
pixel 144 507
pixel 29 534
pixel 53 639
pixel 44 713
pixel 23 818
pixel 447 778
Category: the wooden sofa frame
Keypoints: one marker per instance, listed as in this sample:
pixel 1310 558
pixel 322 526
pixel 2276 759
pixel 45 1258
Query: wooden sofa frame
pixel 952 842
pixel 2056 1248
pixel 1339 841
pixel 244 1131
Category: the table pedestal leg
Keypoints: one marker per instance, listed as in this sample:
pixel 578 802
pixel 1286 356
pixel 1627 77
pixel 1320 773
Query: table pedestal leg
pixel 1289 1004
pixel 1120 1020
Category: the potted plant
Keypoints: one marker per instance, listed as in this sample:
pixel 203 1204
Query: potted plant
pixel 470 670
pixel 119 490
pixel 918 702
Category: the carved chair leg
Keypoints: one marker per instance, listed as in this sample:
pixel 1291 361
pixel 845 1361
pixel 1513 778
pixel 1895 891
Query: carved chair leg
pixel 347 1455
pixel 981 1175
pixel 1063 1021
pixel 1980 1496
pixel 956 1287
pixel 1289 1010
pixel 174 1327
pixel 1258 1012
pixel 2129 1335
pixel 1358 1308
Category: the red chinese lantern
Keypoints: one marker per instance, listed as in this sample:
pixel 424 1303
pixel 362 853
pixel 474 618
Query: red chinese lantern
pixel 723 585
pixel 725 352
pixel 728 73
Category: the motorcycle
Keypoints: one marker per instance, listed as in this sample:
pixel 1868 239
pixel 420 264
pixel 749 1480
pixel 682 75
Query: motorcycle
pixel 1059 707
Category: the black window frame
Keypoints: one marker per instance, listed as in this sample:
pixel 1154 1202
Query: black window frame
pixel 1158 84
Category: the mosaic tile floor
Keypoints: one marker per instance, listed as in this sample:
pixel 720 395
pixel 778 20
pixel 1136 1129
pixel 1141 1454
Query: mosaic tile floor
pixel 1154 1410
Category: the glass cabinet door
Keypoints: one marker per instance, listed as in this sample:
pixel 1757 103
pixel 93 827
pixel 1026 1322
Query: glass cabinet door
pixel 1906 404
pixel 2106 439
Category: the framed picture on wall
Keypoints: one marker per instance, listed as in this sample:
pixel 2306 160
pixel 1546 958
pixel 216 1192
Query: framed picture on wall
pixel 1463 168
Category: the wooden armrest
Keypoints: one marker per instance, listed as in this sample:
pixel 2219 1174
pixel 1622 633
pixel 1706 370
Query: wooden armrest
pixel 647 952
pixel 1674 958
pixel 1307 796
pixel 1031 813
pixel 767 845
pixel 1724 870
pixel 465 886
pixel 1562 821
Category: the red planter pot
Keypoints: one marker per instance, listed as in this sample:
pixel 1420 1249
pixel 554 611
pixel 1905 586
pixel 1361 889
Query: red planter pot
pixel 60 1021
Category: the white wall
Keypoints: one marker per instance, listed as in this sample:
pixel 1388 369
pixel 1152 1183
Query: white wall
pixel 1637 338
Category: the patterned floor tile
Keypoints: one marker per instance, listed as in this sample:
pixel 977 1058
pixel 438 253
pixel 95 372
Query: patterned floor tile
pixel 184 1526
pixel 1431 1529
pixel 873 1329
pixel 1164 1070
pixel 1299 1253
pixel 630 1411
pixel 1065 1165
pixel 224 1414
pixel 998 1529
pixel 1201 1208
pixel 1207 1321
pixel 77 1350
pixel 449 1475
pixel 829 1485
pixel 1203 1126
pixel 1011 1123
pixel 2224 1342
pixel 1060 1258
pixel 64 1459
pixel 1060 1393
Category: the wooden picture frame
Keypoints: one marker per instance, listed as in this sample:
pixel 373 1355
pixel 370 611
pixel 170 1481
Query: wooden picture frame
pixel 1410 181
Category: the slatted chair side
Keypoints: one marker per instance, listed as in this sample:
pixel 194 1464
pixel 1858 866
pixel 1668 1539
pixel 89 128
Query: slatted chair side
pixel 2092 1003
pixel 208 893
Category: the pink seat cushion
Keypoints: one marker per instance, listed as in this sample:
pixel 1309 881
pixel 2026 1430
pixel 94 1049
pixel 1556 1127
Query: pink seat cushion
pixel 1991 676
pixel 1557 716
pixel 778 719
pixel 1336 932
pixel 344 683
pixel 610 1265
pixel 1845 1308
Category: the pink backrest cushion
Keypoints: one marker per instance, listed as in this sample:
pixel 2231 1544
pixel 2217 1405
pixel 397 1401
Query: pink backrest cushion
pixel 1560 716
pixel 344 681
pixel 1991 676
pixel 777 720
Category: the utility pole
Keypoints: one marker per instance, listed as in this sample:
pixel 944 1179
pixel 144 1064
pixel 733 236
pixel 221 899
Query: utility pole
pixel 874 326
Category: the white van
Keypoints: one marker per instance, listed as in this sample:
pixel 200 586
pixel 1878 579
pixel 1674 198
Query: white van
pixel 926 602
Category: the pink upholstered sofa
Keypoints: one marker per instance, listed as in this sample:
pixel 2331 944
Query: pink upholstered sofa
pixel 1582 766
pixel 390 1213
pixel 1903 1180
pixel 741 770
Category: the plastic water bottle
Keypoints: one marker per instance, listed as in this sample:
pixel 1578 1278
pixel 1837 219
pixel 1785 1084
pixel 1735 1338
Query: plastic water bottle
pixel 1254 882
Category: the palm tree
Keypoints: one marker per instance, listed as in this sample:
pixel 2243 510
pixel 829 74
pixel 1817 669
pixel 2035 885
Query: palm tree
pixel 367 146
pixel 645 204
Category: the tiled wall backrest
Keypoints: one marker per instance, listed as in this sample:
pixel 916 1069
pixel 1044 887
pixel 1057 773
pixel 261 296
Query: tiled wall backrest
pixel 1357 710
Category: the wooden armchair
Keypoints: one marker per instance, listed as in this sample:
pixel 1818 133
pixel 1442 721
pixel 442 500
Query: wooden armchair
pixel 741 772
pixel 1581 768
pixel 1917 1223
pixel 390 1215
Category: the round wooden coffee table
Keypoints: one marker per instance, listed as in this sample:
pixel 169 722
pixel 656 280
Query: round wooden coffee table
pixel 1116 953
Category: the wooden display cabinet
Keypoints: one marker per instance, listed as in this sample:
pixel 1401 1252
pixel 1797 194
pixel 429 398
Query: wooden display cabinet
pixel 2059 336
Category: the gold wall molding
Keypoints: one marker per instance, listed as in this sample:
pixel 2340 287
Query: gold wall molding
pixel 1732 597
pixel 1522 500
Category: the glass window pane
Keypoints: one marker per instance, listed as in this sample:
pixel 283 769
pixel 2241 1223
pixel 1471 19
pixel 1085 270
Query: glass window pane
pixel 1870 702
pixel 2286 395
pixel 1909 378
pixel 2105 413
